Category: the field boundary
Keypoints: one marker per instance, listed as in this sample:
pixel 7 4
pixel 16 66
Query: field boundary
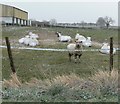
pixel 51 49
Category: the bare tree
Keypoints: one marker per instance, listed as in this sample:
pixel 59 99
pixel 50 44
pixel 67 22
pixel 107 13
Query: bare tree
pixel 108 21
pixel 53 22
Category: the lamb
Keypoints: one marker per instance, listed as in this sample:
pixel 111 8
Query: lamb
pixel 63 38
pixel 75 49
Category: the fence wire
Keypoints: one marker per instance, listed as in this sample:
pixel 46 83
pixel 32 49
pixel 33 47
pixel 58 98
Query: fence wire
pixel 53 49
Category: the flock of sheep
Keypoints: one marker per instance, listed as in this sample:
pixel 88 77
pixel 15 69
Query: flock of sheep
pixel 74 48
pixel 30 40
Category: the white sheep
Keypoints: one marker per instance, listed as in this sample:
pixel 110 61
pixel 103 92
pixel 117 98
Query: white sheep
pixel 88 42
pixel 79 37
pixel 21 41
pixel 33 42
pixel 63 38
pixel 105 49
pixel 75 49
pixel 29 40
pixel 33 35
pixel 26 40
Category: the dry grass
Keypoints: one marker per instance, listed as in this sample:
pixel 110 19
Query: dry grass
pixel 13 82
pixel 105 82
pixel 98 80
pixel 101 85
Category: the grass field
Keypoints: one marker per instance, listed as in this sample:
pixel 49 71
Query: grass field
pixel 46 64
pixel 42 64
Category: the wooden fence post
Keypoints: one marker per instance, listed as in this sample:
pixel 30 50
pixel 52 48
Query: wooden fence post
pixel 111 53
pixel 10 54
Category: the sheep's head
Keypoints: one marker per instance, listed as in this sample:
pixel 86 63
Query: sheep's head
pixel 30 33
pixel 89 38
pixel 105 44
pixel 58 34
pixel 78 44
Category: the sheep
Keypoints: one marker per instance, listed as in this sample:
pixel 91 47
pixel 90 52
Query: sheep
pixel 33 35
pixel 26 40
pixel 105 49
pixel 63 38
pixel 88 42
pixel 29 40
pixel 21 41
pixel 75 49
pixel 79 37
pixel 33 42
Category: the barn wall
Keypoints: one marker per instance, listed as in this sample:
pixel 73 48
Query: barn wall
pixel 7 11
pixel 13 15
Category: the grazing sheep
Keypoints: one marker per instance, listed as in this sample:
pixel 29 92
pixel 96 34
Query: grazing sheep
pixel 105 49
pixel 63 38
pixel 75 49
pixel 88 42
pixel 80 37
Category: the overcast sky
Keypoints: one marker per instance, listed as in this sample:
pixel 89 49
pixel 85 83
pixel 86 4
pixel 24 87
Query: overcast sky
pixel 68 11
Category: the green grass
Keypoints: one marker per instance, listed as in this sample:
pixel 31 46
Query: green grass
pixel 97 34
pixel 44 64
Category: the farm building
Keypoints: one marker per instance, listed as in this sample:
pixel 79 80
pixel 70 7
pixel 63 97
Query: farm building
pixel 13 16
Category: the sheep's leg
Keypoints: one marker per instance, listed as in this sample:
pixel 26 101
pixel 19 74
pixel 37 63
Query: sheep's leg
pixel 70 56
pixel 79 57
pixel 75 58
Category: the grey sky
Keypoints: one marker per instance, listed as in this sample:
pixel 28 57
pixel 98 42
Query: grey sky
pixel 69 11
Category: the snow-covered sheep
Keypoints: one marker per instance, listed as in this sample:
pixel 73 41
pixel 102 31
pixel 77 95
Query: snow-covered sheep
pixel 88 42
pixel 75 49
pixel 105 49
pixel 63 38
